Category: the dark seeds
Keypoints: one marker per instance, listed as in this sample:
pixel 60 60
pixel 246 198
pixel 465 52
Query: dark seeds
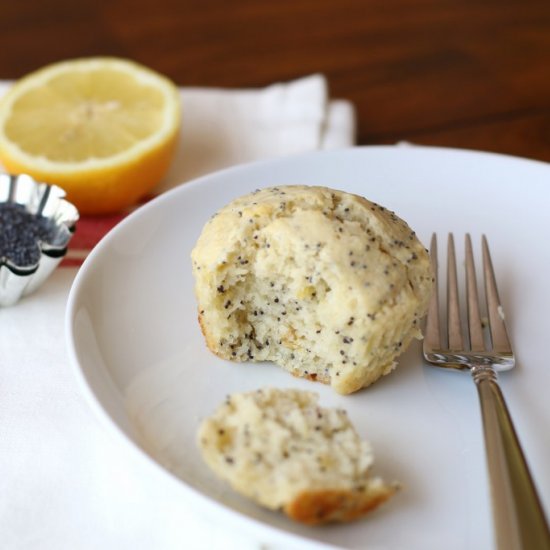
pixel 20 233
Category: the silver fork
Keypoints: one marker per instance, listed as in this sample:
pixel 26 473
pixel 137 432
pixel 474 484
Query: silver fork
pixel 518 515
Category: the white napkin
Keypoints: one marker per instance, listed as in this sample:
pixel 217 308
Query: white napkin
pixel 65 481
pixel 222 128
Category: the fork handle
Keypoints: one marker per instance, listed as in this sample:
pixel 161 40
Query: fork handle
pixel 518 515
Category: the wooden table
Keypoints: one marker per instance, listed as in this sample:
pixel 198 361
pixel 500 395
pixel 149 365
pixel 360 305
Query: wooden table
pixel 460 73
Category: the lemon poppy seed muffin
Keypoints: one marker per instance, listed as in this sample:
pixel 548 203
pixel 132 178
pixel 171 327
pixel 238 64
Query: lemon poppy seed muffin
pixel 326 284
pixel 281 449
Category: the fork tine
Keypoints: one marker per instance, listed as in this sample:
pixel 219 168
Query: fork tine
pixel 454 326
pixel 499 335
pixel 432 338
pixel 475 329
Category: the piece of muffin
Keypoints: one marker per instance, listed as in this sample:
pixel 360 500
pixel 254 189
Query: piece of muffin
pixel 279 448
pixel 324 283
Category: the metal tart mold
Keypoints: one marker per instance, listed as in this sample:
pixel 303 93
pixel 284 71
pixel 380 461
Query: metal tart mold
pixel 36 225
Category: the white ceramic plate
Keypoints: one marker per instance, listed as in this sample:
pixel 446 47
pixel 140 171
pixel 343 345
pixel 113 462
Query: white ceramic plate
pixel 135 343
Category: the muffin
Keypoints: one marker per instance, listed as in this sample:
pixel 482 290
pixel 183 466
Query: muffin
pixel 326 284
pixel 281 449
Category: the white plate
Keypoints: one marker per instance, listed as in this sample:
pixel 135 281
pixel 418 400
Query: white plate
pixel 135 343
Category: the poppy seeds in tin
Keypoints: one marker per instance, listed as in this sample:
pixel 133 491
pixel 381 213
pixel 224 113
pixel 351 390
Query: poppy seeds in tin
pixel 21 232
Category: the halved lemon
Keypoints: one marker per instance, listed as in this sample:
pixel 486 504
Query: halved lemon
pixel 103 129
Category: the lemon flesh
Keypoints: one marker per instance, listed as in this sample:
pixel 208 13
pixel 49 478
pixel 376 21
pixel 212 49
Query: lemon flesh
pixel 102 128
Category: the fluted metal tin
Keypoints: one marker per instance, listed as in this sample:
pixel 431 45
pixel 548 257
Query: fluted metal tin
pixel 40 200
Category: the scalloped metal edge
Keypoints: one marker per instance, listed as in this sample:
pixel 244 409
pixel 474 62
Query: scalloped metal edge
pixel 40 199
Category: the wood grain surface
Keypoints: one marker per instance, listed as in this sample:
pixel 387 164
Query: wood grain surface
pixel 461 73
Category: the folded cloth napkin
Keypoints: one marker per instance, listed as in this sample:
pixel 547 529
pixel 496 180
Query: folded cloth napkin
pixel 222 128
pixel 66 483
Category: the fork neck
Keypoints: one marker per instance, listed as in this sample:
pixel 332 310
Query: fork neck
pixel 481 373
